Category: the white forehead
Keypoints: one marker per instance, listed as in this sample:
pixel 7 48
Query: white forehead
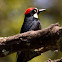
pixel 36 8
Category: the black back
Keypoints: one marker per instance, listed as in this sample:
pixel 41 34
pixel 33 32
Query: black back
pixel 30 23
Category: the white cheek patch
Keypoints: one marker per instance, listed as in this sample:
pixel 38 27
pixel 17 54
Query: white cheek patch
pixel 35 15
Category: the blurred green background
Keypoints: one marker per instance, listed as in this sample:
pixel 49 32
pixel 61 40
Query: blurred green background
pixel 12 16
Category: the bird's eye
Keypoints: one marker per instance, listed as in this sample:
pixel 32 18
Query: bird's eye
pixel 34 11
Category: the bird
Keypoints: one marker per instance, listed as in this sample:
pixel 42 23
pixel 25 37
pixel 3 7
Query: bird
pixel 31 22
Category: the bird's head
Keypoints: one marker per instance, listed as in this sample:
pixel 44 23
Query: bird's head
pixel 33 12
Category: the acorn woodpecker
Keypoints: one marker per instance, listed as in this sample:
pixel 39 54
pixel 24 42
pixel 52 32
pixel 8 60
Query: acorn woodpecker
pixel 31 22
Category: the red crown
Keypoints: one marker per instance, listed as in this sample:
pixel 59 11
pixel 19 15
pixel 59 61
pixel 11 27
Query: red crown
pixel 28 10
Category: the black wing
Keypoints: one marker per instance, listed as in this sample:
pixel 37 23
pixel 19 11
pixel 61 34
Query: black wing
pixel 31 24
pixel 36 25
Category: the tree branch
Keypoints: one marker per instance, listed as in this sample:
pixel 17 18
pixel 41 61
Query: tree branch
pixel 57 60
pixel 43 40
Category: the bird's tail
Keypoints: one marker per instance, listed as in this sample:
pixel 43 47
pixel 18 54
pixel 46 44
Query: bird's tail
pixel 20 56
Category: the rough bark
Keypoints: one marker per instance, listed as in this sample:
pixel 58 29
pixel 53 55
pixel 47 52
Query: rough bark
pixel 40 40
pixel 58 60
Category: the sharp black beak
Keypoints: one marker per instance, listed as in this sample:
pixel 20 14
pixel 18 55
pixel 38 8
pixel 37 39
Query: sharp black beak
pixel 40 10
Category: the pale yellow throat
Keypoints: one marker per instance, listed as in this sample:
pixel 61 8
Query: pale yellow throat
pixel 35 15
